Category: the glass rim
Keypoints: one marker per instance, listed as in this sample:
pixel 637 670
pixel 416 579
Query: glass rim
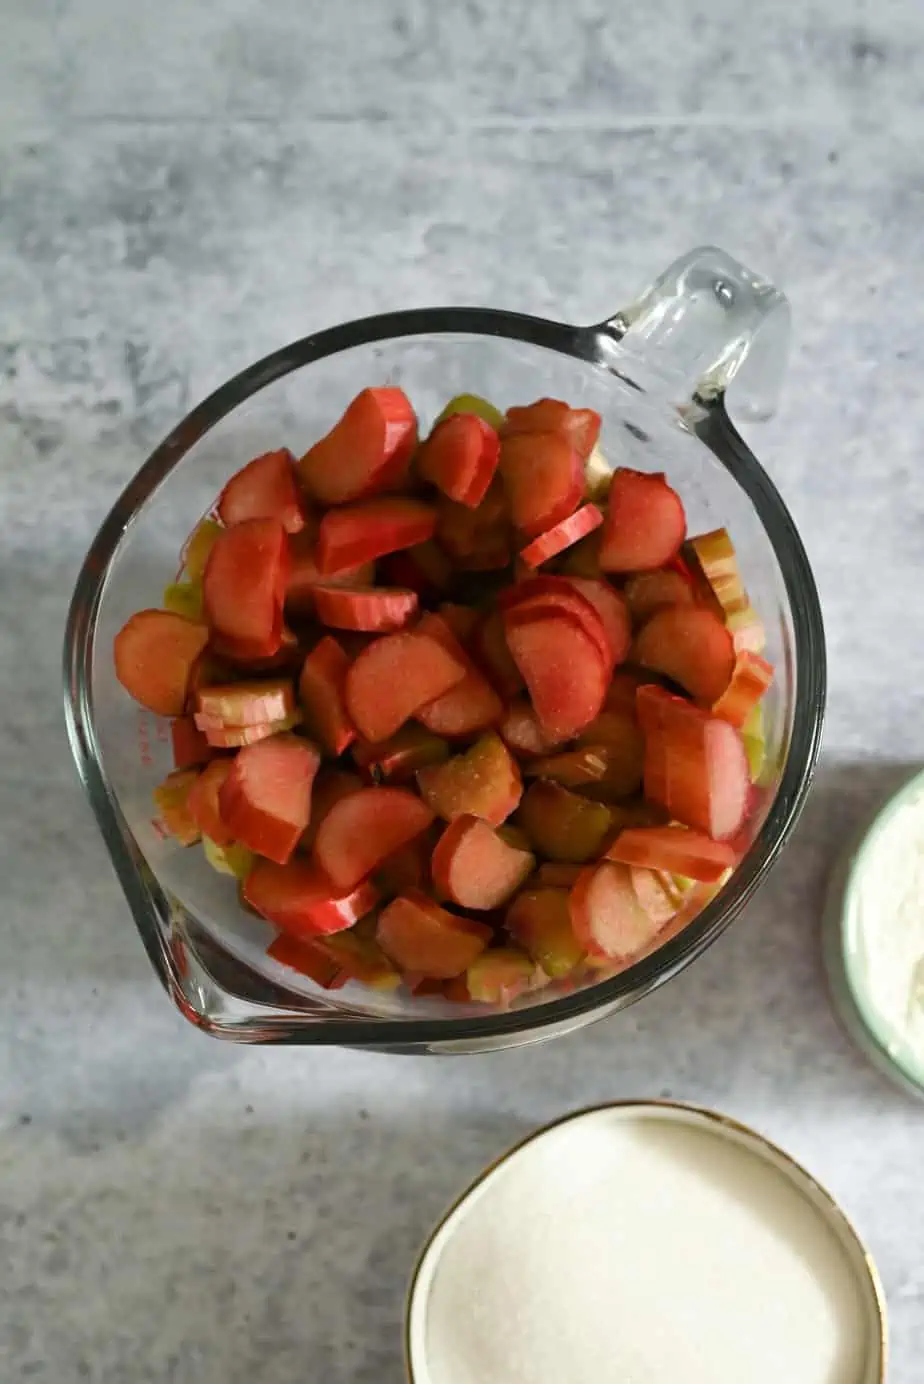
pixel 336 1026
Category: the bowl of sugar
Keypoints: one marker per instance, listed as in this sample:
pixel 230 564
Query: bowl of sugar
pixel 645 1241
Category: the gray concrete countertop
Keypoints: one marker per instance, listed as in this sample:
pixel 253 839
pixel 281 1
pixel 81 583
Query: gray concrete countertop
pixel 184 187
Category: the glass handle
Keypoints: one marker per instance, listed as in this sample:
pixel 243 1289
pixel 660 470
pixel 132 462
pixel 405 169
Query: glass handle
pixel 703 323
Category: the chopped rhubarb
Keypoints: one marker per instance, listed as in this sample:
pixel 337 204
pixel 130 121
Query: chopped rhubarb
pixel 367 451
pixel 266 798
pixel 501 975
pixel 197 548
pixel 420 936
pixel 621 694
pixel 233 737
pixel 560 594
pixel 606 915
pixel 172 801
pixel 654 894
pixel 184 598
pixel 476 539
pixel 244 703
pixel 329 787
pixel 689 645
pixel 747 630
pixel 713 560
pixel 154 656
pixel 190 746
pixel 462 620
pixel 600 765
pixel 374 609
pixel 611 607
pixel 244 585
pixel 361 831
pixel 264 489
pixel 321 694
pixel 583 558
pixel 650 591
pixel 234 860
pixel 581 426
pixel 473 403
pixel 309 959
pixel 540 920
pixel 695 764
pixel 398 758
pixel 543 478
pixel 362 532
pixel 473 865
pixel 304 575
pixel 616 740
pixel 561 535
pixel 678 850
pixel 750 678
pixel 301 900
pixel 484 781
pixel 555 874
pixel 204 805
pixel 645 523
pixel 472 704
pixel 396 676
pixel 423 568
pixel 489 646
pixel 520 729
pixel 563 670
pixel 460 458
pixel 241 654
pixel 409 867
pixel 563 825
pixel 361 958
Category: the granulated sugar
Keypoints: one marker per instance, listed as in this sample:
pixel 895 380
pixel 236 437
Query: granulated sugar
pixel 637 1251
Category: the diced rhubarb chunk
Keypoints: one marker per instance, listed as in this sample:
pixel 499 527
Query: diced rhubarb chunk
pixel 244 584
pixel 613 767
pixel 309 959
pixel 301 900
pixel 678 850
pixel 398 758
pixel 461 619
pixel 264 489
pixel 714 562
pixel 472 704
pixel 489 646
pixel 172 801
pixel 581 426
pixel 647 592
pixel 244 703
pixel 621 693
pixel 543 478
pixel 582 559
pixel 484 781
pixel 394 677
pixel 501 975
pixel 234 860
pixel 184 598
pixel 554 874
pixel 362 830
pixel 375 609
pixel 321 694
pixel 473 403
pixel 367 451
pixel 190 746
pixel 520 729
pixel 362 532
pixel 611 607
pixel 606 915
pixel 695 764
pixel 563 670
pixel 329 787
pixel 654 894
pixel 750 678
pixel 645 523
pixel 562 535
pixel 420 936
pixel 689 645
pixel 154 656
pixel 304 575
pixel 747 630
pixel 241 654
pixel 197 548
pixel 479 538
pixel 233 737
pixel 473 865
pixel 361 958
pixel 540 920
pixel 423 568
pixel 562 825
pixel 266 798
pixel 543 594
pixel 460 457
pixel 204 805
pixel 617 740
pixel 409 867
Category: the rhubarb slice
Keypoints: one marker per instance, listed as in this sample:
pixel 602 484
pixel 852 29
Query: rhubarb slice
pixel 244 703
pixel 520 729
pixel 266 799
pixel 396 676
pixel 244 585
pixel 562 535
pixel 473 403
pixel 675 849
pixel 613 767
pixel 611 607
pixel 606 915
pixel 750 679
pixel 460 458
pixel 362 532
pixel 264 489
pixel 184 598
pixel 564 671
pixel 689 645
pixel 374 609
pixel 501 975
pixel 540 920
pixel 647 592
pixel 645 523
pixel 155 652
pixel 473 865
pixel 543 478
pixel 172 801
pixel 198 546
pixel 190 746
pixel 580 426
pixel 485 782
pixel 398 758
pixel 362 830
pixel 310 959
pixel 489 647
pixel 234 860
pixel 713 560
pixel 471 705
pixel 562 825
pixel 301 900
pixel 544 593
pixel 367 451
pixel 304 575
pixel 233 737
pixel 321 689
pixel 204 804
pixel 420 936
pixel 329 787
pixel 423 568
pixel 555 874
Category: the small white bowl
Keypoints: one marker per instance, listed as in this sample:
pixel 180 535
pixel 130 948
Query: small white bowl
pixel 842 950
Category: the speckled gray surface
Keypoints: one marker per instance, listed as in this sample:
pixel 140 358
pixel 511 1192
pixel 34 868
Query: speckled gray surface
pixel 180 193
